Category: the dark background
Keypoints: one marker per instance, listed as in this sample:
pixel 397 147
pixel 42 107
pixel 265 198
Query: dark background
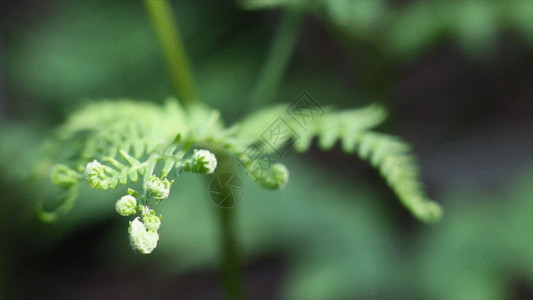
pixel 456 76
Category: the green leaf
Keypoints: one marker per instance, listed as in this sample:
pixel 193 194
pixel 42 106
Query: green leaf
pixel 108 131
pixel 389 154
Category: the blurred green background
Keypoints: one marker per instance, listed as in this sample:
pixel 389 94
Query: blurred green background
pixel 457 77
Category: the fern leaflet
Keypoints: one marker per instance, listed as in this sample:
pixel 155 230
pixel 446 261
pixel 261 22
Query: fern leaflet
pixel 389 154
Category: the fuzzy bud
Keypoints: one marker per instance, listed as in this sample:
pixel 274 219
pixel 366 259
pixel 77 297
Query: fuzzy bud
pixel 159 188
pixel 126 206
pixel 276 178
pixel 280 175
pixel 93 173
pixel 150 220
pixel 203 161
pixel 142 240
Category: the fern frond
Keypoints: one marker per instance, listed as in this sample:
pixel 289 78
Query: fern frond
pixel 387 153
pixel 108 144
pixel 111 143
pixel 105 127
pixel 343 124
pixel 391 157
pixel 67 200
pixel 120 141
pixel 69 181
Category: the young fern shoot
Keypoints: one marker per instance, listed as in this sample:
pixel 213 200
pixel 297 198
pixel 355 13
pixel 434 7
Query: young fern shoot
pixel 122 141
pixel 121 149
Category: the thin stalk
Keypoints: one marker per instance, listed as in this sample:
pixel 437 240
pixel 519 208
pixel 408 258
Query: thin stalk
pixel 173 49
pixel 231 267
pixel 172 46
pixel 231 275
pixel 278 57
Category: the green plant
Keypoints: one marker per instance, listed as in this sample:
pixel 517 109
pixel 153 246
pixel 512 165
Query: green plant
pixel 111 143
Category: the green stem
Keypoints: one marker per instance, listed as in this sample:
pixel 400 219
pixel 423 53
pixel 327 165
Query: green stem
pixel 277 59
pixel 231 271
pixel 231 275
pixel 163 22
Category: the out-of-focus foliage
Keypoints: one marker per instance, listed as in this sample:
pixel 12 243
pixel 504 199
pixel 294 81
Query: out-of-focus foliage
pixel 76 54
pixel 409 29
pixel 480 256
